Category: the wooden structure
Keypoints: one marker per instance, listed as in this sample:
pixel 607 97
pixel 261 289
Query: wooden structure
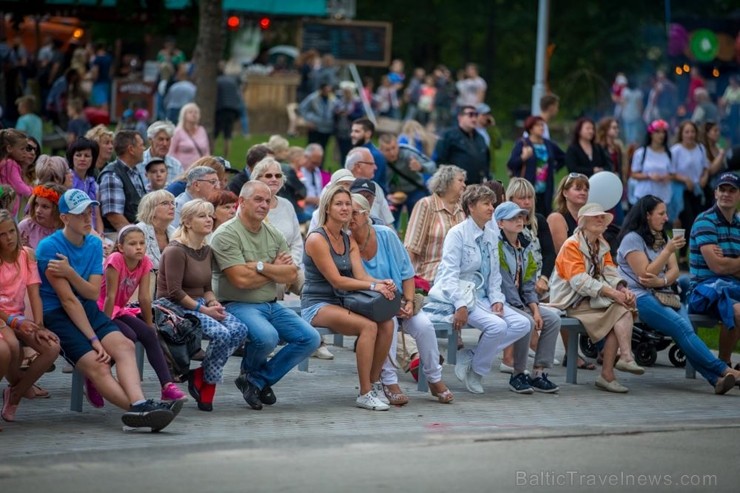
pixel 267 98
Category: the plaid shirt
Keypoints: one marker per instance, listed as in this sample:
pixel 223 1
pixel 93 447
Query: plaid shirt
pixel 112 198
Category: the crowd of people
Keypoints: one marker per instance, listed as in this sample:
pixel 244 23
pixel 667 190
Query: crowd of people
pixel 159 221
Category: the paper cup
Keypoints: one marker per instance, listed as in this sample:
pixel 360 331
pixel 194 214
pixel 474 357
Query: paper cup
pixel 677 232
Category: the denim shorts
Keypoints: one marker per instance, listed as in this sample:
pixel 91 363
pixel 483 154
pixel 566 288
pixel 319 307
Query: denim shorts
pixel 309 313
pixel 74 343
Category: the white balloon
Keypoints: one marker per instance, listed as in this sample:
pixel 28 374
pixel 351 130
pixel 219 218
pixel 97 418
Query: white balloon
pixel 605 188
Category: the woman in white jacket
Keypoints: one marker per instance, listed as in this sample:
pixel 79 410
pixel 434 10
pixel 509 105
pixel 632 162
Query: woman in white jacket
pixel 470 253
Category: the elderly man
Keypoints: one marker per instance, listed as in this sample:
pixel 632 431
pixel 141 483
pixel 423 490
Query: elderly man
pixel 252 257
pixel 202 181
pixel 159 135
pixel 121 184
pixel 361 164
pixel 463 146
pixel 714 262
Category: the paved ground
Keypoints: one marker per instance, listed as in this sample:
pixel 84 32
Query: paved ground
pixel 327 444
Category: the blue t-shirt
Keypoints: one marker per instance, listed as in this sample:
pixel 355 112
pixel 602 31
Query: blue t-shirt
pixel 392 260
pixel 32 125
pixel 86 260
pixel 711 228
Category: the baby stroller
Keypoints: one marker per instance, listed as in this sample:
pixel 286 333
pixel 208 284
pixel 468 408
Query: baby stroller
pixel 646 343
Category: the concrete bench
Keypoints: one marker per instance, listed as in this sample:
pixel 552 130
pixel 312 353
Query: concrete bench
pixel 78 380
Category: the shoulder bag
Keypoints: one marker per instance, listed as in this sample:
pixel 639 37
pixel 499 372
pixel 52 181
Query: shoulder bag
pixel 370 304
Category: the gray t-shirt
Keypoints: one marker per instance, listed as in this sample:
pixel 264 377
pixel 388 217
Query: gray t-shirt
pixel 633 242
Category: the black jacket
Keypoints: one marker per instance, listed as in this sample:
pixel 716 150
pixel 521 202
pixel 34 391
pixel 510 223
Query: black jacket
pixel 468 151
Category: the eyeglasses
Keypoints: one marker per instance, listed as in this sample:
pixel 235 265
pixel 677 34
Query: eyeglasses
pixel 471 114
pixel 270 176
pixel 358 213
pixel 212 182
pixel 366 162
pixel 168 203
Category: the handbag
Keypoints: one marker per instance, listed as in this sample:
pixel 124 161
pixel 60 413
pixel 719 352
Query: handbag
pixel 370 304
pixel 668 298
pixel 467 289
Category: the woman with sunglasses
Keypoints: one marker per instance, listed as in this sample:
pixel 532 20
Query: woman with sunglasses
pixel 651 166
pixel 537 159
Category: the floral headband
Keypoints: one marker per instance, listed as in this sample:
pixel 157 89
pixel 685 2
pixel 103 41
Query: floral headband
pixel 46 193
pixel 657 126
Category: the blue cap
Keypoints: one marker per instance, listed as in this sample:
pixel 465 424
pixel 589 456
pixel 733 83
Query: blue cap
pixel 508 210
pixel 75 202
pixel 729 179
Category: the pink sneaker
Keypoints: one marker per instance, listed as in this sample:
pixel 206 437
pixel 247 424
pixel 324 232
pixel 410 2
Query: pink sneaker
pixel 170 392
pixel 92 394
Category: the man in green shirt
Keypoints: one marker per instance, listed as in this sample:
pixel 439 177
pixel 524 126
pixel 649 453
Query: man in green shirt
pixel 251 258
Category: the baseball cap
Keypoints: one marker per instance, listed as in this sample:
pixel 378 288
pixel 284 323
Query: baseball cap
pixel 363 185
pixel 483 109
pixel 75 202
pixel 152 162
pixel 729 179
pixel 341 175
pixel 508 210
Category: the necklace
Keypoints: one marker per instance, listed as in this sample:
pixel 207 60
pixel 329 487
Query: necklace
pixel 336 237
pixel 367 240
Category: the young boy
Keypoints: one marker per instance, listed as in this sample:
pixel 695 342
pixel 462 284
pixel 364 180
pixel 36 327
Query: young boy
pixel 29 122
pixel 70 262
pixel 518 271
pixel 156 174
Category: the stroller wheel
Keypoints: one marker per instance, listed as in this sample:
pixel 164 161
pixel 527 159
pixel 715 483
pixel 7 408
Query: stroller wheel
pixel 646 354
pixel 587 347
pixel 677 356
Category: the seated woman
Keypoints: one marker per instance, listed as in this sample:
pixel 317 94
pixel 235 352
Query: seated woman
pixel 470 252
pixel 155 214
pixel 432 218
pixel 647 261
pixel 384 257
pixel 185 280
pixel 332 261
pixel 224 206
pixel 19 276
pixel 586 285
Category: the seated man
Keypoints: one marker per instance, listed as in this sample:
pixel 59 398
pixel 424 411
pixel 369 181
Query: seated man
pixel 202 182
pixel 714 260
pixel 518 271
pixel 70 263
pixel 252 257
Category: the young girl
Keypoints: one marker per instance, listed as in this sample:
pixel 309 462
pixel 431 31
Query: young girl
pixel 81 154
pixel 126 270
pixel 14 148
pixel 43 214
pixel 19 276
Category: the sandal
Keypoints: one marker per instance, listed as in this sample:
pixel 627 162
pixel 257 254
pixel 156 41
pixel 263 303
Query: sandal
pixel 444 397
pixel 35 391
pixel 583 365
pixel 395 399
pixel 8 409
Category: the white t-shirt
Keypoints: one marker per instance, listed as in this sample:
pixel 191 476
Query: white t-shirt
pixel 654 163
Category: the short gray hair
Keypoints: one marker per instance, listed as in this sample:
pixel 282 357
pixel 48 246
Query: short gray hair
pixel 249 187
pixel 198 172
pixel 314 147
pixel 149 203
pixel 443 178
pixel 261 168
pixel 354 156
pixel 160 126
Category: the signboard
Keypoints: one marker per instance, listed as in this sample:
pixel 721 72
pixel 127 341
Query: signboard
pixel 131 94
pixel 360 42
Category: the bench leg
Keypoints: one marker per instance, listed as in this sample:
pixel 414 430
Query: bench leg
pixel 690 371
pixel 451 348
pixel 140 359
pixel 572 353
pixel 303 365
pixel 78 380
pixel 338 340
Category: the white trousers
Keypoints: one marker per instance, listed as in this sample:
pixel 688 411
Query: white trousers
pixel 420 328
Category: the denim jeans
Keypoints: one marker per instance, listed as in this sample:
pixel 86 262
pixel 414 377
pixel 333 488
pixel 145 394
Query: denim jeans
pixel 269 323
pixel 675 323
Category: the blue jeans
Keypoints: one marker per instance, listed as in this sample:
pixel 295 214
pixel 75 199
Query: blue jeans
pixel 675 323
pixel 268 323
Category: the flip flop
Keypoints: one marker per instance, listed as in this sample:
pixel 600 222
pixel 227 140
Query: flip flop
pixel 585 365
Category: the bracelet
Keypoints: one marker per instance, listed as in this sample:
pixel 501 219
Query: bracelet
pixel 93 339
pixel 15 320
pixel 10 320
pixel 198 306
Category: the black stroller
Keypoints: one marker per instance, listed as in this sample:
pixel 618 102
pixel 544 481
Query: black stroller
pixel 646 343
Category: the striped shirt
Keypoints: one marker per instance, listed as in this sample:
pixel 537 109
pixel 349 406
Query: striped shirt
pixel 712 228
pixel 425 234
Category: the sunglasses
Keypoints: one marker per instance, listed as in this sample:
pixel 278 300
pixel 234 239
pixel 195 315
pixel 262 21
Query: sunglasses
pixel 470 113
pixel 270 176
pixel 32 149
pixel 573 176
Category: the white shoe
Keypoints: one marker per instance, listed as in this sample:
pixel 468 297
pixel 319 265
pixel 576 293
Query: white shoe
pixel 473 382
pixel 464 360
pixel 532 353
pixel 322 353
pixel 371 402
pixel 504 368
pixel 379 393
pixel 556 362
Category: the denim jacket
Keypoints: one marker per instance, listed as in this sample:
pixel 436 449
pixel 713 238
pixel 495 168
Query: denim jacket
pixel 461 259
pixel 525 294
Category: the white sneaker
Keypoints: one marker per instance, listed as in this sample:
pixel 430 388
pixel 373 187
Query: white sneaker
pixel 371 402
pixel 556 362
pixel 474 382
pixel 464 360
pixel 322 353
pixel 504 368
pixel 380 393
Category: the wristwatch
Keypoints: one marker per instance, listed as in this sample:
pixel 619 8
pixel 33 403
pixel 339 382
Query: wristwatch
pixel 260 267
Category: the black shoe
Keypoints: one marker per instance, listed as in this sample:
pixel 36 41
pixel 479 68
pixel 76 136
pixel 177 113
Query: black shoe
pixel 174 406
pixel 149 414
pixel 192 389
pixel 238 352
pixel 267 396
pixel 241 382
pixel 251 394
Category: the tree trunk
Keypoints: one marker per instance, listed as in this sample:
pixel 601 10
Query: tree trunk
pixel 208 51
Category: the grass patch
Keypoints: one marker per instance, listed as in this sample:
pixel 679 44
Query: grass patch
pixel 710 336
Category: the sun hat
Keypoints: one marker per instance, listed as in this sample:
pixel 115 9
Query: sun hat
pixel 593 209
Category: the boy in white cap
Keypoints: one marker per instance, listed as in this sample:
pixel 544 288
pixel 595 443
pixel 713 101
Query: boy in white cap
pixel 70 264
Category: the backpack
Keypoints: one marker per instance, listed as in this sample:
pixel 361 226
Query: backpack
pixel 179 336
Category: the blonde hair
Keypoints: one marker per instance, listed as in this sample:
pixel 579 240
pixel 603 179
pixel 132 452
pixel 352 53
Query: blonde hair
pixel 261 168
pixel 326 199
pixel 209 161
pixel 148 205
pixel 98 132
pixel 279 146
pixel 189 211
pixel 413 129
pixel 520 187
pixel 185 109
pixel 51 169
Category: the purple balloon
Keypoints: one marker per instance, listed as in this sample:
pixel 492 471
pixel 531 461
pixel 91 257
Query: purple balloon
pixel 678 39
